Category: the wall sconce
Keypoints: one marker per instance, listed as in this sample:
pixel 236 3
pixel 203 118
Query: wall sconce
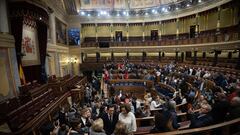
pixel 72 60
pixel 75 60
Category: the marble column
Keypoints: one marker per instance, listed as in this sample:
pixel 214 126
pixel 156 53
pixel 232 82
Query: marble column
pixel 197 25
pixel 111 31
pixel 10 80
pixel 160 30
pixel 52 28
pixel 143 31
pixel 96 32
pixel 218 20
pixel 127 28
pixel 3 17
pixel 177 31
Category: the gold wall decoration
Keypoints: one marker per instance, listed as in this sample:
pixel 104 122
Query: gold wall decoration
pixel 212 20
pixel 89 31
pixel 104 31
pixel 135 30
pixel 225 13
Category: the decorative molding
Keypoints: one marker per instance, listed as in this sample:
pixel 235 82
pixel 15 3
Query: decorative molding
pixel 57 48
pixel 7 41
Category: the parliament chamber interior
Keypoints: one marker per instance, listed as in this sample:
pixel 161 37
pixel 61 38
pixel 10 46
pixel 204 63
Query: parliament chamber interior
pixel 119 67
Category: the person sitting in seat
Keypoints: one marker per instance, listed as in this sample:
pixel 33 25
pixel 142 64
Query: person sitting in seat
pixel 201 118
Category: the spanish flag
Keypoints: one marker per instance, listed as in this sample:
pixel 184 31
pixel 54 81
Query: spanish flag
pixel 21 75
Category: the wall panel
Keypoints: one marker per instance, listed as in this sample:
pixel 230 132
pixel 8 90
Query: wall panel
pixel 135 30
pixel 89 31
pixel 225 17
pixel 201 22
pixel 103 31
pixel 236 16
pixel 170 28
pixel 181 26
pixel 212 20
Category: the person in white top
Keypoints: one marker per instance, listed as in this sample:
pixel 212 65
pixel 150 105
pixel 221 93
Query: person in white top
pixel 155 103
pixel 128 118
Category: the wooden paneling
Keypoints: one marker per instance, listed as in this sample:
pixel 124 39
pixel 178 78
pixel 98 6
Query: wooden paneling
pixel 89 31
pixel 103 31
pixel 212 20
pixel 225 17
pixel 135 30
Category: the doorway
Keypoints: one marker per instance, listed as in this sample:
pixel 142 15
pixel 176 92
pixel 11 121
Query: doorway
pixel 154 34
pixel 118 35
pixel 194 31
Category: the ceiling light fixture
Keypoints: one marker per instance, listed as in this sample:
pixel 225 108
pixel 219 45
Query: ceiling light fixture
pixel 82 13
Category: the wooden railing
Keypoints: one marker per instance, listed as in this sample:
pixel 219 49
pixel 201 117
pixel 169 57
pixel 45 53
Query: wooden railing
pixel 223 127
pixel 233 36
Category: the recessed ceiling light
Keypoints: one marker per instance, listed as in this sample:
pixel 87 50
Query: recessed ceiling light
pixel 188 5
pixel 88 15
pixel 199 1
pixel 163 9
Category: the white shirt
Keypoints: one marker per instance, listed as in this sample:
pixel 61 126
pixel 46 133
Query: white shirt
pixel 84 120
pixel 129 120
pixel 154 105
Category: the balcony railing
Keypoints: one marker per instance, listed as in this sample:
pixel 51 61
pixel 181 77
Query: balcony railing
pixel 166 42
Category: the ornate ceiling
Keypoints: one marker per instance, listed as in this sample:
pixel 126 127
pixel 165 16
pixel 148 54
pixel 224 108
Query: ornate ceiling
pixel 74 7
pixel 120 4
